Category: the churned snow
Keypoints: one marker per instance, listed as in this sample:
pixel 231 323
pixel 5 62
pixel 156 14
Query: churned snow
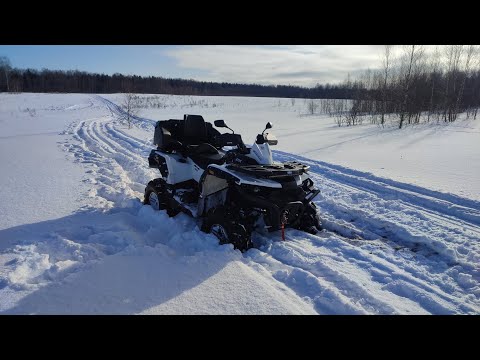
pixel 400 208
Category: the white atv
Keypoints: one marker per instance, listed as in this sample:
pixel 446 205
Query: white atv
pixel 234 188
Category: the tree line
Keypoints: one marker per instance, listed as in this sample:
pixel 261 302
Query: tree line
pixel 417 84
pixel 411 84
pixel 31 80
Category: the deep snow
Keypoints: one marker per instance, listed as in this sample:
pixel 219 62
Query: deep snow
pixel 75 238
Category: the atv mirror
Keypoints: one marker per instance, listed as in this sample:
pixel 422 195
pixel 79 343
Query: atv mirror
pixel 220 123
pixel 268 126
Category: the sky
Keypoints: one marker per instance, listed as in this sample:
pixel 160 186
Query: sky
pixel 303 65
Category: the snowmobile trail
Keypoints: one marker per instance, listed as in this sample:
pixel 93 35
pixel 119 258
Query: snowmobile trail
pixel 386 247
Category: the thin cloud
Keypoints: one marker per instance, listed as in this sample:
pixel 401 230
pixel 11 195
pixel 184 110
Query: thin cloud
pixel 304 65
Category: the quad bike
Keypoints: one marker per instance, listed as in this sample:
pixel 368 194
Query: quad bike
pixel 235 189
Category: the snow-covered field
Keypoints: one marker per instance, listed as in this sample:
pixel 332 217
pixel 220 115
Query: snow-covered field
pixel 401 211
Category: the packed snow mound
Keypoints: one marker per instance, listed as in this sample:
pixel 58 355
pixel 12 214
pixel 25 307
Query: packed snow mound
pixel 388 247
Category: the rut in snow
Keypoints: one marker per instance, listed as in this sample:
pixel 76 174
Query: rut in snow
pixel 387 247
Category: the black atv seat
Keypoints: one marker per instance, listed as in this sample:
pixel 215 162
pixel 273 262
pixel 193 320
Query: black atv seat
pixel 205 159
pixel 203 148
pixel 194 130
pixel 190 131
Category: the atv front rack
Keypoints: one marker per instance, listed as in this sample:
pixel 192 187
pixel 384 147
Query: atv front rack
pixel 290 168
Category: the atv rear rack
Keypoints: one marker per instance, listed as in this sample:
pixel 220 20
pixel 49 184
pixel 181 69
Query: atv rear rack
pixel 290 168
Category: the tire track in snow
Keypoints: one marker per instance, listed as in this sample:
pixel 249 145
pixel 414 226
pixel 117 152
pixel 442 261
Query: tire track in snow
pixel 129 160
pixel 433 296
pixel 369 303
pixel 403 223
pixel 429 213
pixel 327 299
pixel 466 210
pixel 281 259
pixel 402 219
pixel 117 174
pixel 91 132
pixel 133 143
pixel 452 262
pixel 337 277
pixel 107 133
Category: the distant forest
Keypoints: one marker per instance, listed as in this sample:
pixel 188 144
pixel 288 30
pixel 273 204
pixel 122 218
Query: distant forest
pixel 412 84
pixel 47 81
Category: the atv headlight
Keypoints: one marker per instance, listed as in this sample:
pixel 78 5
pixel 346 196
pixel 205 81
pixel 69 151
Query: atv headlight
pixel 255 189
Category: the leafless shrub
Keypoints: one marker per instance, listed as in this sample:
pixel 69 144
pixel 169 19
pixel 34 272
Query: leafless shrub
pixel 312 106
pixel 130 107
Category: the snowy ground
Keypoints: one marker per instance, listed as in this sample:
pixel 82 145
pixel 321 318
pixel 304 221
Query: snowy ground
pixel 402 230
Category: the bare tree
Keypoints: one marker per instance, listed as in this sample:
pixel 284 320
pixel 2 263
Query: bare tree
pixel 351 117
pixel 434 68
pixel 474 100
pixel 5 67
pixel 312 107
pixel 412 56
pixel 468 62
pixel 453 54
pixel 386 71
pixel 130 107
pixel 442 84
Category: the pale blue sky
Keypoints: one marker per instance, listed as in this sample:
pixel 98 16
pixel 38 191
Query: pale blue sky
pixel 304 65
